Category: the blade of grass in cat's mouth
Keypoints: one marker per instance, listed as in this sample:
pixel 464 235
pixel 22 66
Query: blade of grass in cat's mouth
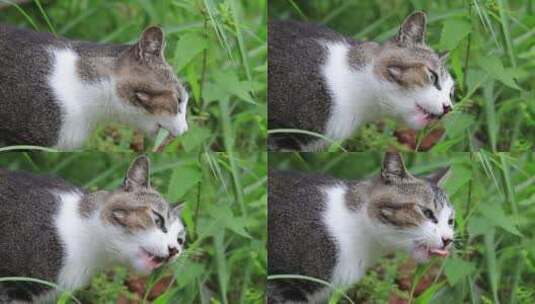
pixel 163 138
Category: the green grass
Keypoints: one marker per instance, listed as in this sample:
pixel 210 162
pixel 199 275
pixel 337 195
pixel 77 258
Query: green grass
pixel 494 198
pixel 217 47
pixel 491 59
pixel 225 216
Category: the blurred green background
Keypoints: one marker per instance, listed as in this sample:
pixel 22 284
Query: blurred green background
pixel 492 58
pixel 225 217
pixel 217 46
pixel 494 256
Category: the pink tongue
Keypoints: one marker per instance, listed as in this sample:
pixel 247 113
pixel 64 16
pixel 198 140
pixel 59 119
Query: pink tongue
pixel 439 252
pixel 151 263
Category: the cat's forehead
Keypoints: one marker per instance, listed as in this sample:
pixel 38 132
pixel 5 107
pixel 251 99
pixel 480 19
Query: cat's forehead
pixel 163 72
pixel 440 198
pixel 154 199
pixel 416 54
pixel 416 190
pixel 142 198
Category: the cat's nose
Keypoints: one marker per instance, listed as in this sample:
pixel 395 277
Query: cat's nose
pixel 173 251
pixel 446 108
pixel 446 242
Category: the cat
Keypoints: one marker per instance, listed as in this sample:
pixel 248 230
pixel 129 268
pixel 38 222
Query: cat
pixel 327 83
pixel 333 230
pixel 54 91
pixel 61 233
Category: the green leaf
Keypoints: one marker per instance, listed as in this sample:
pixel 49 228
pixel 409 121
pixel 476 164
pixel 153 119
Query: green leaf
pixel 428 294
pixel 229 82
pixel 64 299
pixel 445 145
pixel 188 272
pixel 457 269
pixel 212 92
pixel 453 31
pixel 456 123
pixel 195 137
pixel 494 213
pixel 456 65
pixel 459 177
pixel 478 225
pixel 224 214
pixel 189 45
pixel 163 298
pixel 495 69
pixel 182 180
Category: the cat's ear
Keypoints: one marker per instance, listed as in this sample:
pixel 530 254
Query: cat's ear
pixel 393 168
pixel 440 176
pixel 412 30
pixel 177 209
pixel 444 56
pixel 151 43
pixel 137 175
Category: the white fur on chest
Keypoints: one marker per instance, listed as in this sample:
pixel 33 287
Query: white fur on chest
pixel 351 93
pixel 82 250
pixel 81 103
pixel 356 248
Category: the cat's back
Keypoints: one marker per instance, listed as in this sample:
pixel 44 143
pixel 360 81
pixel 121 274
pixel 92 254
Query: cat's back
pixel 295 218
pixel 29 243
pixel 23 184
pixel 24 50
pixel 298 95
pixel 296 187
pixel 25 96
pixel 290 31
pixel 296 197
pixel 28 201
pixel 10 35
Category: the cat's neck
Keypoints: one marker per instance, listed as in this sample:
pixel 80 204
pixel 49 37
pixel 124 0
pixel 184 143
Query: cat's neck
pixel 83 239
pixel 349 224
pixel 85 90
pixel 356 100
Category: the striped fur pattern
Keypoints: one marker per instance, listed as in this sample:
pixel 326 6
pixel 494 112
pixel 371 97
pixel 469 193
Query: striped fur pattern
pixel 322 81
pixel 56 91
pixel 334 230
pixel 81 233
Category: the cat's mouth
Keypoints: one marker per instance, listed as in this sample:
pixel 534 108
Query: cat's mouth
pixel 153 259
pixel 438 252
pixel 422 252
pixel 427 114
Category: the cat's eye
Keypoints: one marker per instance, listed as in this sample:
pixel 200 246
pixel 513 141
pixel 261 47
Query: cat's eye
pixel 434 79
pixel 142 97
pixel 452 93
pixel 179 99
pixel 430 215
pixel 158 220
pixel 180 241
pixel 450 222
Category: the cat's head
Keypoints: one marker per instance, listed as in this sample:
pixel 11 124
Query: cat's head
pixel 414 80
pixel 148 88
pixel 412 213
pixel 143 230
